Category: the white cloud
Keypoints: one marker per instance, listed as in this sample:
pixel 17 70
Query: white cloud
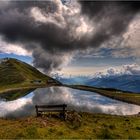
pixel 64 16
pixel 9 48
pixel 129 44
pixel 132 36
pixel 125 45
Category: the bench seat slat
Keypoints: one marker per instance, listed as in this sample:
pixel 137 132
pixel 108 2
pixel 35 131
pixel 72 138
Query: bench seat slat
pixel 50 106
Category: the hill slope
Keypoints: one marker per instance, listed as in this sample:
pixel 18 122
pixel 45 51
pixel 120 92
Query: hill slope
pixel 14 72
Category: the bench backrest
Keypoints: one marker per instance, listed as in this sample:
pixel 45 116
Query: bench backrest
pixel 51 106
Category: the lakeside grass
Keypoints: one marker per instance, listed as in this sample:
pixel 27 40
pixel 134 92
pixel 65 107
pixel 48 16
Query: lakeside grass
pixel 128 97
pixel 14 87
pixel 94 126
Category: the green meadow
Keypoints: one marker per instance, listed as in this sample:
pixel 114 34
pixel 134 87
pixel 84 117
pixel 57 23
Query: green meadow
pixel 79 125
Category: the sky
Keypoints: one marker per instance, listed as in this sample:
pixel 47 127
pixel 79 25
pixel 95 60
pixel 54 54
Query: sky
pixel 71 37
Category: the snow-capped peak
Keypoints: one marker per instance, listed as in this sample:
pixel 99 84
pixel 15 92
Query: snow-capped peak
pixel 132 69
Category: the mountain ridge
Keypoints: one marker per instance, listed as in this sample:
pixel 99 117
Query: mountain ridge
pixel 125 82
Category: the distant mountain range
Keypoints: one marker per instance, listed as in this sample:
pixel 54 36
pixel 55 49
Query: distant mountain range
pixel 127 78
pixel 122 82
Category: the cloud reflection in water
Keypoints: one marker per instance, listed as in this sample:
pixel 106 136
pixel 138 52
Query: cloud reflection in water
pixel 76 99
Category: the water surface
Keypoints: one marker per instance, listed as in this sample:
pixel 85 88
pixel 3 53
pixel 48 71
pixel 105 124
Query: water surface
pixel 75 99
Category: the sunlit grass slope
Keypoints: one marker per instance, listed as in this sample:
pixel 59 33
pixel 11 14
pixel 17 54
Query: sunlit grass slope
pixel 92 126
pixel 15 73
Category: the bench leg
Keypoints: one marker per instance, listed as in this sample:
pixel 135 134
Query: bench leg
pixel 62 115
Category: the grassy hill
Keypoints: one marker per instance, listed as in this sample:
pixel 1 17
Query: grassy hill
pixel 15 74
pixel 93 126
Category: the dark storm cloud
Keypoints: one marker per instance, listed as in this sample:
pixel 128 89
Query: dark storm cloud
pixel 118 14
pixel 51 43
pixel 94 8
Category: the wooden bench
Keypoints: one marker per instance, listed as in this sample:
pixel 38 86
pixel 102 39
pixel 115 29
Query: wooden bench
pixel 40 109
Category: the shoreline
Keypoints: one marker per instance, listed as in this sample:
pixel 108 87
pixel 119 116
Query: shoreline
pixel 123 96
pixel 22 88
